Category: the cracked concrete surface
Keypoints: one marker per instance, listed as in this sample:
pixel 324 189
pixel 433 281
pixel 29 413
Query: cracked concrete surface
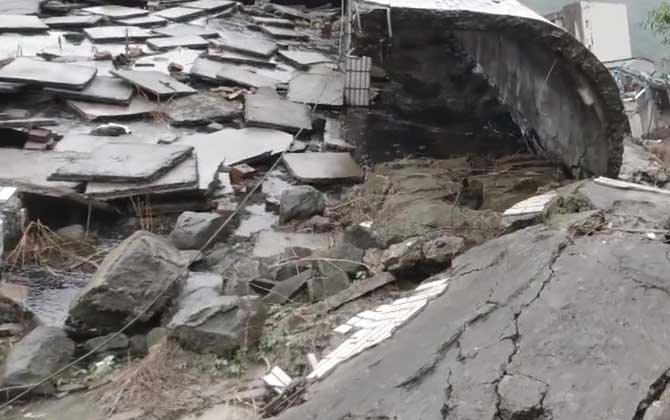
pixel 534 325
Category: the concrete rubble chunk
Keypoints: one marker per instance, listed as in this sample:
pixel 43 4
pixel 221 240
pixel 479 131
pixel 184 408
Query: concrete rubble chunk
pixel 107 90
pixel 118 342
pixel 404 256
pixel 136 272
pixel 266 109
pixel 114 11
pixel 118 33
pixel 189 41
pixel 21 23
pixel 201 109
pixel 72 21
pixel 247 44
pixel 443 250
pixel 125 162
pixel 183 29
pixel 320 89
pixel 304 59
pixel 41 353
pixel 143 21
pixel 301 202
pixel 360 289
pixel 46 73
pixel 323 168
pixel 179 13
pixel 285 290
pixel 155 82
pixel 91 111
pixel 193 230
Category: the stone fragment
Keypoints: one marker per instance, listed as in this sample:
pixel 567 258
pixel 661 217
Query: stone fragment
pixel 91 111
pixel 283 291
pixel 521 397
pixel 118 34
pixel 441 251
pixel 360 289
pixel 193 230
pixel 181 29
pixel 155 82
pixel 328 281
pixel 141 269
pixel 201 109
pixel 404 256
pixel 266 109
pixel 344 257
pixel 321 89
pixel 179 13
pixel 110 130
pixel 362 235
pixel 322 168
pixel 189 41
pixel 118 343
pixel 35 357
pixel 83 21
pixel 72 233
pixel 47 73
pixel 301 202
pixel 115 11
pixel 21 24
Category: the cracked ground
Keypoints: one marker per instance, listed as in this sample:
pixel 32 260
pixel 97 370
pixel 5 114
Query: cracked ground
pixel 533 325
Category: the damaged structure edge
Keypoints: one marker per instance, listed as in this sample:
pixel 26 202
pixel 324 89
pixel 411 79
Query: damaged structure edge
pixel 557 90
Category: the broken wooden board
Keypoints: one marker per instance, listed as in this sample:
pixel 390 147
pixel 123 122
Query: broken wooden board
pixel 189 41
pixel 211 6
pixel 323 168
pixel 304 59
pixel 118 33
pixel 138 107
pixel 321 89
pixel 116 12
pixel 231 146
pixel 67 22
pixel 155 82
pixel 182 29
pixel 108 90
pixel 200 110
pixel 124 162
pixel 142 21
pixel 46 73
pixel 21 24
pixel 182 178
pixel 247 44
pixel 284 33
pixel 179 13
pixel 266 109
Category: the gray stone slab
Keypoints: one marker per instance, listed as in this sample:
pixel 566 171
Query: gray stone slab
pixel 20 7
pixel 304 59
pixel 87 143
pixel 235 74
pixel 200 110
pixel 118 33
pixel 207 70
pixel 21 23
pixel 179 13
pixel 30 169
pixel 231 146
pixel 155 82
pixel 284 33
pixel 183 177
pixel 321 89
pixel 116 12
pixel 160 62
pixel 322 168
pixel 267 109
pixel 211 6
pixel 107 90
pixel 247 44
pixel 124 162
pixel 240 58
pixel 46 73
pixel 271 243
pixel 182 29
pixel 268 21
pixel 72 21
pixel 143 21
pixel 28 123
pixel 189 41
pixel 91 111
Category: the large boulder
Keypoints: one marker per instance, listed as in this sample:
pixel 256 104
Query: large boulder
pixel 35 357
pixel 143 268
pixel 194 229
pixel 301 203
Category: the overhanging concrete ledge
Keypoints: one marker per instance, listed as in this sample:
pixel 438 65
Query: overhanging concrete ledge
pixel 559 93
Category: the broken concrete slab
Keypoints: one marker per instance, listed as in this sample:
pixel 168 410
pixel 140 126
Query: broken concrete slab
pixel 207 70
pixel 319 168
pixel 91 111
pixel 124 162
pixel 269 21
pixel 21 23
pixel 359 289
pixel 188 41
pixel 107 90
pixel 285 33
pixel 155 82
pixel 28 123
pixel 87 143
pixel 283 291
pixel 182 29
pixel 179 13
pixel 321 89
pixel 237 75
pixel 211 6
pixel 142 21
pixel 266 109
pixel 118 33
pixel 247 44
pixel 182 178
pixel 116 12
pixel 46 73
pixel 231 146
pixel 72 21
pixel 304 59
pixel 201 109
pixel 161 62
pixel 240 58
pixel 30 169
pixel 20 7
pixel 270 243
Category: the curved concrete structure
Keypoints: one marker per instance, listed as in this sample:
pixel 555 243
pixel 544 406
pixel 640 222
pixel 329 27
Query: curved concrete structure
pixel 559 93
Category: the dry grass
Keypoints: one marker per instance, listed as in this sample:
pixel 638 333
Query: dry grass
pixel 144 213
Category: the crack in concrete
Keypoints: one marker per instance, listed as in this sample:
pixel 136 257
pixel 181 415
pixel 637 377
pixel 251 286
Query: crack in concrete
pixel 448 389
pixel 654 394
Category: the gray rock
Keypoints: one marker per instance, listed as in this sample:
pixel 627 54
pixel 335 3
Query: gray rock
pixel 404 256
pixel 140 269
pixel 201 109
pixel 156 335
pixel 362 235
pixel 521 397
pixel 193 229
pixel 110 130
pixel 207 322
pixel 345 257
pixel 12 312
pixel 35 357
pixel 301 203
pixel 73 233
pixel 137 345
pixel 441 251
pixel 285 290
pixel 329 281
pixel 118 343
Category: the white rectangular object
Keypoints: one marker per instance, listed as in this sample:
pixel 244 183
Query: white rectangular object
pixel 357 81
